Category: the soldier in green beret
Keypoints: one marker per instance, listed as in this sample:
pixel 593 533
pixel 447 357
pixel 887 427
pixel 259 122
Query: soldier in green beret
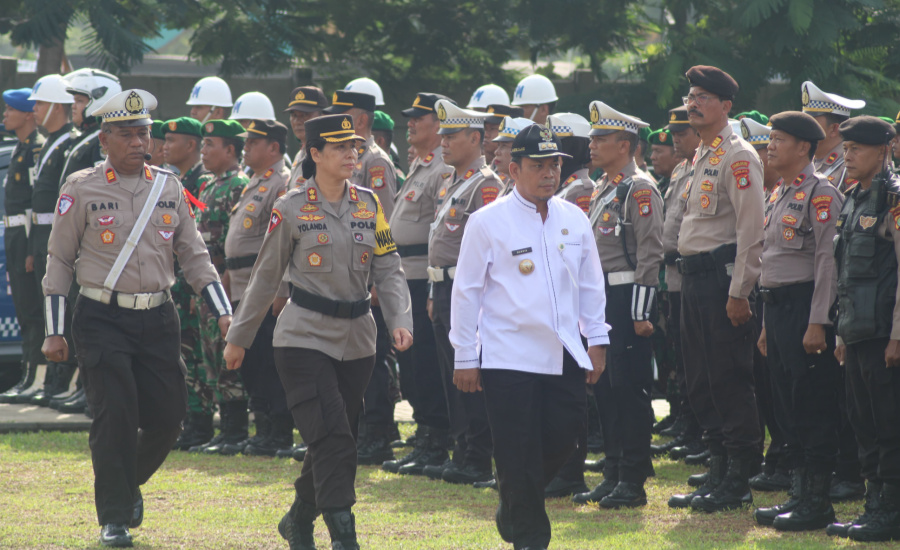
pixel 221 154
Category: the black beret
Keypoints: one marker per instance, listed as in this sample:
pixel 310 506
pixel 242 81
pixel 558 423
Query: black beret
pixel 713 80
pixel 868 130
pixel 800 125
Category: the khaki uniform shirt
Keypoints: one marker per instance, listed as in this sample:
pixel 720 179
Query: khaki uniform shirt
pixel 94 217
pixel 415 207
pixel 578 189
pixel 832 167
pixel 296 179
pixel 375 171
pixel 676 194
pixel 249 219
pixel 446 238
pixel 641 218
pixel 330 253
pixel 800 231
pixel 724 205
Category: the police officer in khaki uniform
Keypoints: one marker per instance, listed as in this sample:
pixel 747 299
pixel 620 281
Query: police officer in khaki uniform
pixel 332 237
pixel 264 154
pixel 798 288
pixel 374 169
pixel 720 243
pixel 576 185
pixel 496 114
pixel 469 186
pixel 830 110
pixel 18 117
pixel 413 214
pixel 305 103
pixel 868 322
pixel 627 219
pixel 53 113
pixel 125 326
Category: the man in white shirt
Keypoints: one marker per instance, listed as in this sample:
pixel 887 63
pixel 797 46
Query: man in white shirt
pixel 527 279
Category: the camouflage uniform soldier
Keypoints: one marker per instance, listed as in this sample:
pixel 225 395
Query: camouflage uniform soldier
pixel 182 152
pixel 221 154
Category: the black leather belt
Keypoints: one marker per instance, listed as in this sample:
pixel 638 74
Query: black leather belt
pixel 671 257
pixel 240 262
pixel 334 308
pixel 782 294
pixel 696 263
pixel 412 250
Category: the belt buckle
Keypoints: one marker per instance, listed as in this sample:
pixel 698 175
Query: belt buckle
pixel 344 309
pixel 142 301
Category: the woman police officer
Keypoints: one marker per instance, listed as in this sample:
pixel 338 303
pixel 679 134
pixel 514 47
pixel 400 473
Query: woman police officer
pixel 333 238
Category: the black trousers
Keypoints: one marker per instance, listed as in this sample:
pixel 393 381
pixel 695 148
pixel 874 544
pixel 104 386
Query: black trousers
pixel 693 427
pixel 804 385
pixel 420 374
pixel 848 467
pixel 468 417
pixel 623 392
pixel 873 399
pixel 26 295
pixel 325 396
pixel 379 404
pixel 134 381
pixel 766 405
pixel 718 367
pixel 534 421
pixel 258 371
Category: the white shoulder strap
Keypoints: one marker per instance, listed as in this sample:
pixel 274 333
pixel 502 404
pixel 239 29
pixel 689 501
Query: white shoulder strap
pixel 159 182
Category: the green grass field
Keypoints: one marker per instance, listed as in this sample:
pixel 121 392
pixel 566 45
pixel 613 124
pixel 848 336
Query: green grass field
pixel 201 502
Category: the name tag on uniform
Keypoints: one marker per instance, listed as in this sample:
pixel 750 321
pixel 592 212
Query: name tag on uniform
pixel 521 251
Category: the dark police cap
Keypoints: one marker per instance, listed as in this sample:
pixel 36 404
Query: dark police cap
pixel 331 128
pixel 678 119
pixel 499 112
pixel 868 130
pixel 269 129
pixel 537 141
pixel 307 99
pixel 423 104
pixel 343 101
pixel 714 80
pixel 800 125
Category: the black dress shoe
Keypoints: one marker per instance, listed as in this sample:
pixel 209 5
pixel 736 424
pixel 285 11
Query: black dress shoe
pixel 63 397
pixel 490 484
pixel 467 475
pixel 76 404
pixel 598 493
pixel 689 448
pixel 842 491
pixel 775 481
pixel 115 535
pixel 137 516
pixel 559 487
pixel 625 495
pixel 595 465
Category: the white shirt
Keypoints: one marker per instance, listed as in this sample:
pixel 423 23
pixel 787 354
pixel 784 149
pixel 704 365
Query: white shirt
pixel 524 320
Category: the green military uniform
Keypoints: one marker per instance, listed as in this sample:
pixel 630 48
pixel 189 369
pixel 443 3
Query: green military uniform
pixel 25 287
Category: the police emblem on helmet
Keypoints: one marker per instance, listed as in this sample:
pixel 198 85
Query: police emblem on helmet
pixel 133 103
pixel 442 114
pixel 300 95
pixel 546 135
pixel 805 97
pixel 745 132
pixel 595 114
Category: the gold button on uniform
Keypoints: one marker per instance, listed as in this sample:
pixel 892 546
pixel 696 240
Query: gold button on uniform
pixel 526 267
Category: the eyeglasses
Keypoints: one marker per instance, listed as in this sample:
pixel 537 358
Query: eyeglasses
pixel 699 99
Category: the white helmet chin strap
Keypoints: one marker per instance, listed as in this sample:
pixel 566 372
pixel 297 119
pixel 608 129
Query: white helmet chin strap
pixel 208 114
pixel 534 112
pixel 47 116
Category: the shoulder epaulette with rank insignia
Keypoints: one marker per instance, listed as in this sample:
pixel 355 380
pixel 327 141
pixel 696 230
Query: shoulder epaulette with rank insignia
pixel 893 197
pixel 446 175
pixel 355 190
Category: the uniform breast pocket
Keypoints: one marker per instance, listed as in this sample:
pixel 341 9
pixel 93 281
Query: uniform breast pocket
pixel 791 236
pixel 863 262
pixel 363 249
pixel 109 228
pixel 411 206
pixel 709 201
pixel 250 219
pixel 317 251
pixel 163 224
pixel 571 254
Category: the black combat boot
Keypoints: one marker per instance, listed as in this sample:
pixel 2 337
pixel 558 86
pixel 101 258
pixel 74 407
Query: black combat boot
pixel 626 495
pixel 872 506
pixel 599 492
pixel 885 525
pixel 419 444
pixel 57 385
pixel 766 516
pixel 814 510
pixel 235 429
pixel 38 387
pixel 280 437
pixel 198 431
pixel 376 448
pixel 697 480
pixel 263 424
pixel 298 524
pixel 734 490
pixel 715 476
pixel 342 528
pixel 25 382
pixel 434 454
